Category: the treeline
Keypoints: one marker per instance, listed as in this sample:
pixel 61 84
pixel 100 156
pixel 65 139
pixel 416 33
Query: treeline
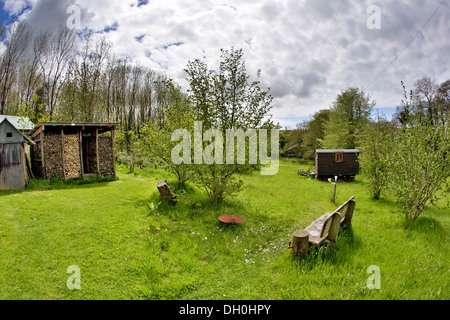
pixel 62 77
pixel 340 125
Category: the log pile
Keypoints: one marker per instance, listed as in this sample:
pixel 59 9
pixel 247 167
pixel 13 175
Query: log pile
pixel 72 161
pixel 106 155
pixel 53 146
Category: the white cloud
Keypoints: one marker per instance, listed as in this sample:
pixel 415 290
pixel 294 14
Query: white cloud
pixel 282 38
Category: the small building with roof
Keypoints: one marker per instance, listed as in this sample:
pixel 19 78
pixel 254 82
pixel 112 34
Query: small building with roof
pixel 73 150
pixel 15 169
pixel 342 163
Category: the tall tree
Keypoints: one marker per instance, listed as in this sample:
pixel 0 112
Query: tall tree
pixel 225 99
pixel 53 65
pixel 17 43
pixel 349 113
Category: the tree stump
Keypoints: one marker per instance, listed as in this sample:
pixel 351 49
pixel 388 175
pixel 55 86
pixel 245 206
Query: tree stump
pixel 165 192
pixel 300 243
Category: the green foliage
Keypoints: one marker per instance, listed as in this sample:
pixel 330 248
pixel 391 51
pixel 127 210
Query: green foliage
pixel 374 144
pixel 225 99
pixel 350 112
pixel 156 136
pixel 419 165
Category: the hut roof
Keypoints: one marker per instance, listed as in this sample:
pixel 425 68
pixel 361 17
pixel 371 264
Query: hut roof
pixel 337 151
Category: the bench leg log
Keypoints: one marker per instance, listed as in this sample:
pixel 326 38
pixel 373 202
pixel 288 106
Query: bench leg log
pixel 300 244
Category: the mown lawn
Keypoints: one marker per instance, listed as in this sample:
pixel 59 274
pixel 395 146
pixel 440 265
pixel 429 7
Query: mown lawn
pixel 126 250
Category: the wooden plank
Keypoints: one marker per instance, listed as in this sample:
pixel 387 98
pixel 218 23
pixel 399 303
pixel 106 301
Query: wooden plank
pixel 62 152
pixel 42 153
pixel 113 152
pixel 81 153
pixel 335 225
pixel 96 149
pixel 37 132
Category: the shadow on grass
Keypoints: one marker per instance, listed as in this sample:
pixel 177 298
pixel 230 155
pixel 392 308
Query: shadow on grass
pixel 59 184
pixel 427 227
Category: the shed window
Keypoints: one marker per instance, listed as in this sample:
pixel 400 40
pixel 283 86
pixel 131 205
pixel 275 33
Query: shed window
pixel 9 134
pixel 339 157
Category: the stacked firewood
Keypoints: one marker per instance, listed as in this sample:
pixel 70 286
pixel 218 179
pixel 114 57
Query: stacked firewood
pixel 106 155
pixel 72 161
pixel 53 145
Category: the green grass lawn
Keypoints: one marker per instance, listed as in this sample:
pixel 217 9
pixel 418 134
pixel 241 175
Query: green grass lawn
pixel 126 250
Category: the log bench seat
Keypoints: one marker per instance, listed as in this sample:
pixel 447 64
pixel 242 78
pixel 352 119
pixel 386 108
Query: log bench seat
pixel 325 228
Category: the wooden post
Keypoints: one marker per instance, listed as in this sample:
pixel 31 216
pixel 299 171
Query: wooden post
pixel 96 151
pixel 62 152
pixel 300 243
pixel 113 152
pixel 42 152
pixel 81 153
pixel 334 229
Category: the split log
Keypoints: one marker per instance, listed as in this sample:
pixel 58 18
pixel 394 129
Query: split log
pixel 53 154
pixel 165 192
pixel 106 155
pixel 72 161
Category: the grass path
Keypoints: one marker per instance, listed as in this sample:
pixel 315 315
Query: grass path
pixel 126 251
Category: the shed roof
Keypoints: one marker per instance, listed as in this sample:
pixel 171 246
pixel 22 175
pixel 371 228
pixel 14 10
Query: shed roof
pixel 104 126
pixel 20 123
pixel 6 120
pixel 337 151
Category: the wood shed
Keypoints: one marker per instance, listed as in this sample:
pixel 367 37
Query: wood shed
pixel 73 150
pixel 337 162
pixel 14 165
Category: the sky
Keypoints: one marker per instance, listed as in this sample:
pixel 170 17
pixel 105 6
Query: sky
pixel 308 51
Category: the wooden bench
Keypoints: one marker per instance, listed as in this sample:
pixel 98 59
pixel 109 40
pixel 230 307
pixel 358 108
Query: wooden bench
pixel 325 228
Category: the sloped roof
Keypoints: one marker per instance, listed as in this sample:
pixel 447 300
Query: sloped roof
pixel 4 119
pixel 20 123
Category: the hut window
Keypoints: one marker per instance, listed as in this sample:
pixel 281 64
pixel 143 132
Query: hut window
pixel 9 134
pixel 339 157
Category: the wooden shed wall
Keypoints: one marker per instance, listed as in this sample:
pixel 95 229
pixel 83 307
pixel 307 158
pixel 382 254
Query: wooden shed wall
pixel 13 171
pixel 13 174
pixel 327 166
